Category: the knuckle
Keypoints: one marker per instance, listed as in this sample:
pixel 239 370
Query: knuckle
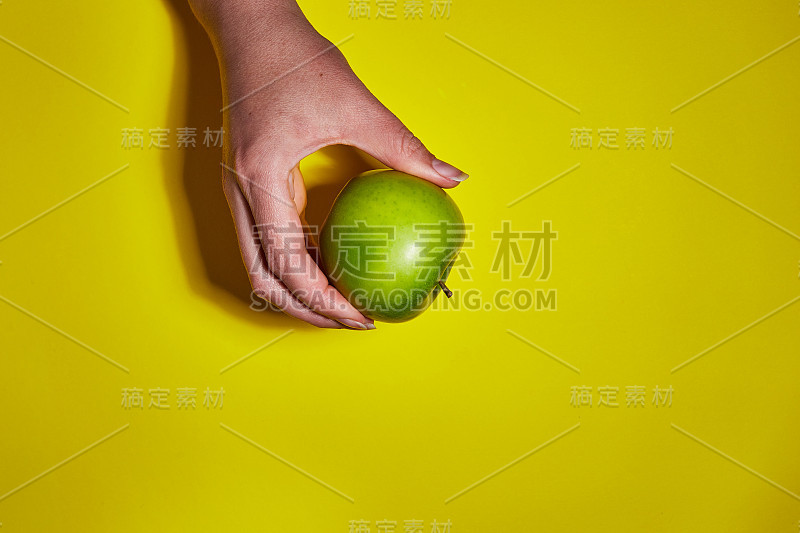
pixel 247 162
pixel 408 143
pixel 285 250
pixel 257 156
pixel 314 295
pixel 257 172
pixel 317 285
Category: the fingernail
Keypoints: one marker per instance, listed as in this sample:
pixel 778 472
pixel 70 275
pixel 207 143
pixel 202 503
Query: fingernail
pixel 448 171
pixel 355 324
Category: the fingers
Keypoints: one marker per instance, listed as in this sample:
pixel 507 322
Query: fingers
pixel 264 283
pixel 382 135
pixel 283 241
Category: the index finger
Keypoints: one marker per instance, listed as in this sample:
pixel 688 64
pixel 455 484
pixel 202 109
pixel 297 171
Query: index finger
pixel 283 239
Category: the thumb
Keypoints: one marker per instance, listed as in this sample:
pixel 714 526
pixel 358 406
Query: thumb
pixel 392 143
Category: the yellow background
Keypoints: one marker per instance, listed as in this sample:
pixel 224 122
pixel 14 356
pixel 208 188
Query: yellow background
pixel 651 268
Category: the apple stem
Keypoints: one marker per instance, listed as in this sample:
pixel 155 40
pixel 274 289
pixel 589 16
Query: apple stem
pixel 447 292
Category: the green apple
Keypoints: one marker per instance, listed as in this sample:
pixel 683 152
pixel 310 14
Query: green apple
pixel 389 242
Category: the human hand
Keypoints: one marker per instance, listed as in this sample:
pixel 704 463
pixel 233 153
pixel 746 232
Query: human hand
pixel 288 92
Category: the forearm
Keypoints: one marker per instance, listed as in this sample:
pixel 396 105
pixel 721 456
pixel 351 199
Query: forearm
pixel 214 15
